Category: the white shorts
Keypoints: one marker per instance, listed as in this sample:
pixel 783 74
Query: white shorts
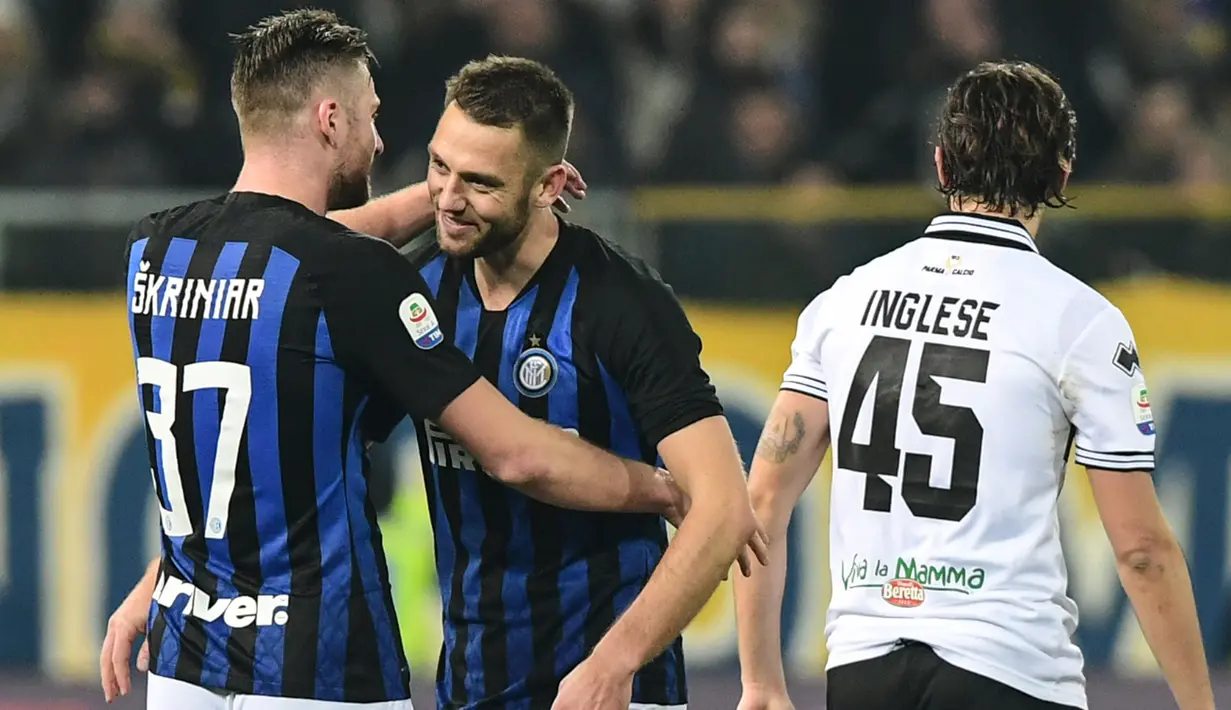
pixel 171 694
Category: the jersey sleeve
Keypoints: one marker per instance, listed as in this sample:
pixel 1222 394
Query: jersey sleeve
pixel 651 351
pixel 383 323
pixel 1106 391
pixel 805 374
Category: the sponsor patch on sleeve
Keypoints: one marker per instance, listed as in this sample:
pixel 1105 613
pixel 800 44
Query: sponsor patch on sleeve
pixel 420 321
pixel 1143 416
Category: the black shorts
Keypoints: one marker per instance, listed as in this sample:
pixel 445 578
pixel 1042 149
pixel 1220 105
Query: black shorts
pixel 913 677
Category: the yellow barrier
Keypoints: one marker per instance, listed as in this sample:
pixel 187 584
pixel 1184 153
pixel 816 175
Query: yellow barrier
pixel 813 205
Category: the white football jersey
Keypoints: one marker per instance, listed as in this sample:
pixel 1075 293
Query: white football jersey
pixel 959 369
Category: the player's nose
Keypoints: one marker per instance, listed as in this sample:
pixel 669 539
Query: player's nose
pixel 451 197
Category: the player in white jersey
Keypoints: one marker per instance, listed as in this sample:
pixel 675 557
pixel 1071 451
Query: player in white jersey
pixel 953 375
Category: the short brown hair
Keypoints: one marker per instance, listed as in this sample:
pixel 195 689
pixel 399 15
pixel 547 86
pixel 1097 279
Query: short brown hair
pixel 1007 136
pixel 510 92
pixel 280 60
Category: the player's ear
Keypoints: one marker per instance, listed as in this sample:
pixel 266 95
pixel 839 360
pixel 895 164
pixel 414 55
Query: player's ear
pixel 940 167
pixel 549 187
pixel 328 120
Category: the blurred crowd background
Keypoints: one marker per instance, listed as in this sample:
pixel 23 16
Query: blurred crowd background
pixel 752 150
pixel 135 92
pixel 819 93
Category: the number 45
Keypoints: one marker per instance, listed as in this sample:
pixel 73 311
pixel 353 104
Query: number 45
pixel 236 379
pixel 885 362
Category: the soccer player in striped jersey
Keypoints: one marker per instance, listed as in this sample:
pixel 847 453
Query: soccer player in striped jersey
pixel 261 330
pixel 954 375
pixel 544 607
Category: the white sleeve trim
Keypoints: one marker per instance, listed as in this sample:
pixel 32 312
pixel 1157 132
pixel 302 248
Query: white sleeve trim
pixel 1118 460
pixel 805 384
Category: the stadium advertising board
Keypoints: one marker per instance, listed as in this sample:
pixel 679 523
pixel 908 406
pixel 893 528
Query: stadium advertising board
pixel 77 516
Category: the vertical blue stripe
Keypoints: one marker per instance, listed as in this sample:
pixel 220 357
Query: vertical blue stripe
pixel 519 634
pixel 162 331
pixel 625 440
pixel 446 558
pixel 333 517
pixel 432 273
pixel 473 526
pixel 562 408
pixel 446 552
pixel 637 557
pixel 205 424
pixel 264 459
pixel 636 564
pixel 364 549
pixel 562 399
pixel 136 253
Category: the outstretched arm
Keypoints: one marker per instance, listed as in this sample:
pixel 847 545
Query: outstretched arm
pixel 396 217
pixel 551 465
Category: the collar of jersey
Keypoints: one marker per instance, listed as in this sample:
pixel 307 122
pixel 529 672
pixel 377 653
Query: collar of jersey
pixel 981 229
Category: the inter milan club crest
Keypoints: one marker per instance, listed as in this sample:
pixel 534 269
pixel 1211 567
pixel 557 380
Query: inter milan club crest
pixel 536 369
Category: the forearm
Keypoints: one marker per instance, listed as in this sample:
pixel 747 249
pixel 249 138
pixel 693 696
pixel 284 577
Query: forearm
pixel 697 559
pixel 792 445
pixel 568 472
pixel 1160 590
pixel 396 217
pixel 758 607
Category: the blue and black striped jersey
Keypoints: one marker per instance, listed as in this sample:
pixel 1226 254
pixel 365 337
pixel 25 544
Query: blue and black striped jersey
pixel 595 344
pixel 260 331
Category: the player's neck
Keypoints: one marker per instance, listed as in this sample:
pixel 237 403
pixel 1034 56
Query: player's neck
pixel 270 173
pixel 503 275
pixel 967 207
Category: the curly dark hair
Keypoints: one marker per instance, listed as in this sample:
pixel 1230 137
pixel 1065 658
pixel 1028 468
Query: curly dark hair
pixel 1007 138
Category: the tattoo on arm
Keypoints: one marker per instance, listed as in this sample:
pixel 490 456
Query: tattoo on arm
pixel 781 437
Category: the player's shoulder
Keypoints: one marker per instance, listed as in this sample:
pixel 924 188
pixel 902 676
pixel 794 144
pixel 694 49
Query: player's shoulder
pixel 181 219
pixel 1078 303
pixel 607 268
pixel 423 248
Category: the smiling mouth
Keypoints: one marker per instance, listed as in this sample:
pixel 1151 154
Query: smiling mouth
pixel 455 222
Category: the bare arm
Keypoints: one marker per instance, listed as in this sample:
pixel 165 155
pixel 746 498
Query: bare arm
pixel 396 217
pixel 1155 576
pixel 705 463
pixel 792 445
pixel 549 464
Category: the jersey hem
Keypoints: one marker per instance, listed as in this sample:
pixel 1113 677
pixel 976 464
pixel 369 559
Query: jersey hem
pixel 1016 681
pixel 274 690
pixel 1052 693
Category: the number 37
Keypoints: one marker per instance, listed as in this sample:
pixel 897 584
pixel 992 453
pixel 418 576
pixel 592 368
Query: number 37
pixel 236 380
pixel 884 362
